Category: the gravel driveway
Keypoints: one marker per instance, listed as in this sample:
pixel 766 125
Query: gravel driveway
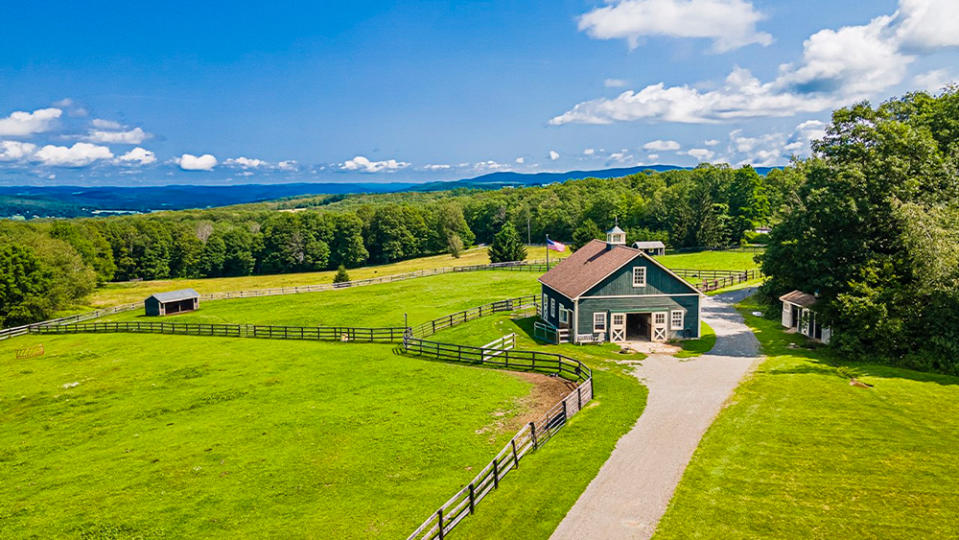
pixel 629 495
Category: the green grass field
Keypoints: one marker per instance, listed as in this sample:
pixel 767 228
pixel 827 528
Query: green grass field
pixel 374 305
pixel 800 453
pixel 112 294
pixel 711 260
pixel 187 437
pixel 697 347
pixel 183 436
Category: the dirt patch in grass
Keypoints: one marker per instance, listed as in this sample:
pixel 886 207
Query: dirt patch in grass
pixel 546 392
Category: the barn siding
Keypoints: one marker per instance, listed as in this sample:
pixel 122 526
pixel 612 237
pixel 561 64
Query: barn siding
pixel 560 301
pixel 619 283
pixel 640 304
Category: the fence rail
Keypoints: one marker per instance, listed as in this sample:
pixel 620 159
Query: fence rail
pixel 712 280
pixel 390 334
pixel 512 304
pixel 529 438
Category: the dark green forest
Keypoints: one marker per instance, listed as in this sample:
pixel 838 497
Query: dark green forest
pixel 875 232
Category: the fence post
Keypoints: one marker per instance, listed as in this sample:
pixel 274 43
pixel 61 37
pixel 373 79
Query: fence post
pixel 472 498
pixel 532 431
pixel 515 457
pixel 439 517
pixel 579 395
pixel 495 474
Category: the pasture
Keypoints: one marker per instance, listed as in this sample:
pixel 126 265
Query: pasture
pixel 184 436
pixel 801 453
pixel 733 259
pixel 112 294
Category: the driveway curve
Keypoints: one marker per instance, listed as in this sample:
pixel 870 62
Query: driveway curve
pixel 630 494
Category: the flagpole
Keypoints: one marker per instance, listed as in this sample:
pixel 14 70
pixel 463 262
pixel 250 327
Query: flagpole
pixel 547 253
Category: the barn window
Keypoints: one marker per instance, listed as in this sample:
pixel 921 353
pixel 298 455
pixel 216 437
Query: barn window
pixel 599 322
pixel 563 315
pixel 552 307
pixel 639 276
pixel 545 305
pixel 677 319
pixel 659 319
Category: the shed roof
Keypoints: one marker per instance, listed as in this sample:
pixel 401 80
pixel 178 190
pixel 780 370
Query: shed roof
pixel 591 264
pixel 175 296
pixel 649 245
pixel 799 298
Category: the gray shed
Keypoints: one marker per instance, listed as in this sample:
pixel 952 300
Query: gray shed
pixel 654 247
pixel 168 303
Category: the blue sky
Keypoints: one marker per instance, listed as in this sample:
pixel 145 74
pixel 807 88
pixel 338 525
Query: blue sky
pixel 120 94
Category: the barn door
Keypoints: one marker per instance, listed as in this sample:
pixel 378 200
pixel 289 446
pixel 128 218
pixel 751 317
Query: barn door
pixel 617 328
pixel 659 326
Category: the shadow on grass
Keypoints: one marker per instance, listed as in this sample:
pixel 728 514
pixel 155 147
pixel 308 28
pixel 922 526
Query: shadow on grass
pixel 817 358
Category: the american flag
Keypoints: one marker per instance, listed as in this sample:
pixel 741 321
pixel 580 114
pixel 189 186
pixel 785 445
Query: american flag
pixel 555 246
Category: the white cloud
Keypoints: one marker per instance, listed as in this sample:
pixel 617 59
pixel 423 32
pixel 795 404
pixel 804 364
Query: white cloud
pixel 22 123
pixel 701 154
pixel 553 155
pixel 133 136
pixel 488 165
pixel 189 162
pixel 614 83
pixel 661 146
pixel 137 156
pixel 362 164
pixel 520 160
pixel 653 157
pixel 772 149
pixel 288 165
pixel 80 154
pixel 934 81
pixel 729 23
pixel 589 151
pixel 926 25
pixel 16 150
pixel 622 156
pixel 245 163
pixel 103 124
pixel 711 142
pixel 837 67
pixel 437 167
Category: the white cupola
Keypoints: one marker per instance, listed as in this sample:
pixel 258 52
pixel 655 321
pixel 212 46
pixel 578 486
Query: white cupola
pixel 616 236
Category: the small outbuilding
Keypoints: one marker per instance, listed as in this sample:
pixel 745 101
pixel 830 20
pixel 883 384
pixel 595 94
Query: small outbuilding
pixel 654 247
pixel 608 291
pixel 798 315
pixel 168 303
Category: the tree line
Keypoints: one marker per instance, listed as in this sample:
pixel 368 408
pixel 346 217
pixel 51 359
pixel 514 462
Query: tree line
pixel 51 264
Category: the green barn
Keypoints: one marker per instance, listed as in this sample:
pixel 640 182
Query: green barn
pixel 607 291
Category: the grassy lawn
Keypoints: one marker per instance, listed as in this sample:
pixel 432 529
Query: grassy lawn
pixel 113 294
pixel 190 437
pixel 376 305
pixel 711 260
pixel 531 502
pixel 183 436
pixel 698 347
pixel 800 453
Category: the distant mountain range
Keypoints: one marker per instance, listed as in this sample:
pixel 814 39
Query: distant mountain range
pixel 76 201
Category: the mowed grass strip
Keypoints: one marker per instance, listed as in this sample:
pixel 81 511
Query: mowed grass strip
pixel 112 294
pixel 800 453
pixel 136 436
pixel 531 501
pixel 376 305
pixel 734 259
